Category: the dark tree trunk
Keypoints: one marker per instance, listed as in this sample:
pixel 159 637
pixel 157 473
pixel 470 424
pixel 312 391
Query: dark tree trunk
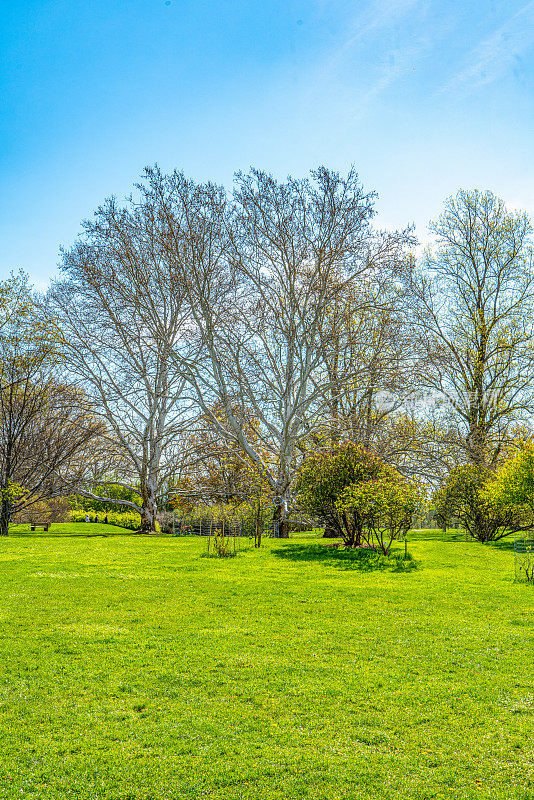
pixel 258 526
pixel 280 521
pixel 149 509
pixel 330 532
pixel 5 515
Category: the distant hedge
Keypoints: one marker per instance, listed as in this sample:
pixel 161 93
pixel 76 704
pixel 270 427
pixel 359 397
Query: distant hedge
pixel 126 519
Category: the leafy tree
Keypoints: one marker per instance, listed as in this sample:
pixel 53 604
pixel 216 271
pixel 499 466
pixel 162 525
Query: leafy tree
pixel 386 506
pixel 443 507
pixel 512 487
pixel 466 496
pixel 323 478
pixel 473 305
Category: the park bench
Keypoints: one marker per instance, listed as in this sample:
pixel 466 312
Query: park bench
pixel 43 525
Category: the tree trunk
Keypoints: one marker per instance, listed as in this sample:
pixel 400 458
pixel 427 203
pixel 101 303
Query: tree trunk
pixel 334 394
pixel 5 515
pixel 258 525
pixel 149 509
pixel 280 521
pixel 330 532
pixel 368 415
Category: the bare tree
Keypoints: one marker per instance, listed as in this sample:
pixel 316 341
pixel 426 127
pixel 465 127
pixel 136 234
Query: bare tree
pixel 45 427
pixel 121 362
pixel 16 301
pixel 373 360
pixel 258 276
pixel 229 296
pixel 473 305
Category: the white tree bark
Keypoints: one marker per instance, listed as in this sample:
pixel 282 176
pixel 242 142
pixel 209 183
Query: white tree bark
pixel 119 361
pixel 260 276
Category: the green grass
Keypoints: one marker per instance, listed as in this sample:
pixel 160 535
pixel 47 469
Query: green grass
pixel 134 669
pixel 63 529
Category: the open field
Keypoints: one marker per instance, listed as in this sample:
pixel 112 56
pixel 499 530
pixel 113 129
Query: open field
pixel 134 669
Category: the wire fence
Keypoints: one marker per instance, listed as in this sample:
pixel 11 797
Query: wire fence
pixel 524 560
pixel 207 526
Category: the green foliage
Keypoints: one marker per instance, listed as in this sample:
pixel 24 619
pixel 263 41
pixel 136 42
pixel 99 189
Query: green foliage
pixel 386 505
pixel 324 476
pixel 221 544
pixel 127 519
pixel 443 507
pixel 13 492
pixel 466 496
pixel 513 486
pixel 358 495
pixel 112 490
pixel 133 668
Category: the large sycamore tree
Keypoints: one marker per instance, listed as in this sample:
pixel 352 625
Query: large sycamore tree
pixel 258 269
pixel 186 299
pixel 232 292
pixel 121 363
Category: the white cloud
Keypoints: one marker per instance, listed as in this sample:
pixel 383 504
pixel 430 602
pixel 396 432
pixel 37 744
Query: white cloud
pixel 377 15
pixel 403 62
pixel 368 25
pixel 380 14
pixel 497 55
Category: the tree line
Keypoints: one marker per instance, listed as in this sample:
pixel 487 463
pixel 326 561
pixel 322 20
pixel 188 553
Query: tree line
pixel 205 343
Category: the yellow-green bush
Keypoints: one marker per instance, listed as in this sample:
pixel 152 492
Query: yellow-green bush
pixel 124 519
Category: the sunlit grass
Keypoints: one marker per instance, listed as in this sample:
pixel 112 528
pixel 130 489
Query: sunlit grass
pixel 135 669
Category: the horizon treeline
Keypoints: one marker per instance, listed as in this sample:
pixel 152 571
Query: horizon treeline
pixel 211 340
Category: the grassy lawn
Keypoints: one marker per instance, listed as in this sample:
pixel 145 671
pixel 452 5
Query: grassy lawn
pixel 134 669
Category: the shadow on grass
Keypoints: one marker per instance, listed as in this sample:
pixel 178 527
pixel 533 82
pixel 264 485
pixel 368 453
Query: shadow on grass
pixel 505 544
pixel 67 532
pixel 52 535
pixel 436 535
pixel 453 535
pixel 361 560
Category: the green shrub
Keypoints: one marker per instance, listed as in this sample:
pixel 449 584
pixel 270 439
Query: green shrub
pixel 126 519
pixel 359 496
pixel 471 494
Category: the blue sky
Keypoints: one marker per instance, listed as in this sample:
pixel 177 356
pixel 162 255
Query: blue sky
pixel 424 96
